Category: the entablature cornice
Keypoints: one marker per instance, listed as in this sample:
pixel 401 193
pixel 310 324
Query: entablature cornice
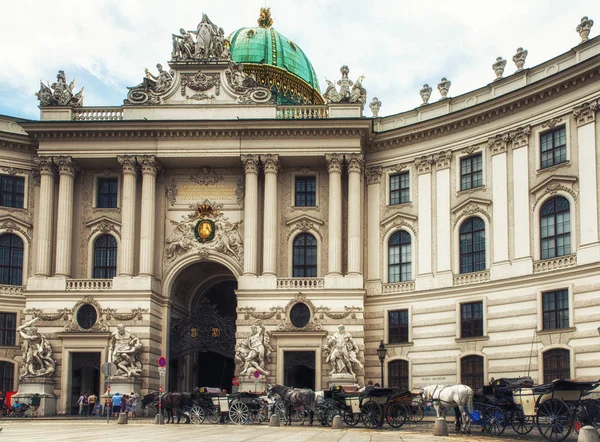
pixel 17 142
pixel 559 84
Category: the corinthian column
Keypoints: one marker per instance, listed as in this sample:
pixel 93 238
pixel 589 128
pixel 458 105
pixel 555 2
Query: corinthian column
pixel 334 166
pixel 150 167
pixel 64 227
pixel 126 249
pixel 271 168
pixel 355 166
pixel 250 163
pixel 45 218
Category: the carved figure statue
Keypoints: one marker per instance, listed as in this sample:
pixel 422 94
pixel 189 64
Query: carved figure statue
pixel 37 352
pixel 159 83
pixel 184 46
pixel 124 352
pixel 584 28
pixel 359 93
pixel 349 92
pixel 255 350
pixel 342 352
pixel 425 93
pixel 151 87
pixel 59 93
pixel 519 58
pixel 206 34
pixel 209 42
pixel 246 86
pixel 345 83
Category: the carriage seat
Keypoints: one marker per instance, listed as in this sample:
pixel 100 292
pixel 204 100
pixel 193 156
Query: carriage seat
pixel 345 388
pixel 209 390
pixel 378 392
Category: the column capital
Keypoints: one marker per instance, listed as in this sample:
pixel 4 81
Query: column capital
pixel 443 159
pixel 355 162
pixel 128 163
pixel 334 162
pixel 270 163
pixel 499 143
pixel 250 163
pixel 149 164
pixel 424 164
pixel 46 165
pixel 374 174
pixel 520 137
pixel 66 165
pixel 585 113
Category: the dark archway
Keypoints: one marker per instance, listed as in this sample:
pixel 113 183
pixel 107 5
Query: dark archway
pixel 202 329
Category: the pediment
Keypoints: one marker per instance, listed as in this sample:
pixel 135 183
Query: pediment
pixel 469 201
pixel 104 224
pixel 553 185
pixel 397 218
pixel 559 179
pixel 103 219
pixel 471 207
pixel 7 220
pixel 304 220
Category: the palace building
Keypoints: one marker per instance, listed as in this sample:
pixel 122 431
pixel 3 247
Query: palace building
pixel 232 215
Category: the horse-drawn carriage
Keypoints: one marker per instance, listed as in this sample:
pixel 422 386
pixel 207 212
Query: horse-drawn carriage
pixel 240 408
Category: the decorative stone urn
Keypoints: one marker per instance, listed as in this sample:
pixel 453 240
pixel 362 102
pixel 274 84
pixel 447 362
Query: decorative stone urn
pixel 444 87
pixel 519 58
pixel 498 67
pixel 425 93
pixel 584 28
pixel 375 105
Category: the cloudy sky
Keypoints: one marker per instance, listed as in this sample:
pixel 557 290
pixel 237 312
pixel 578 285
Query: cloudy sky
pixel 398 45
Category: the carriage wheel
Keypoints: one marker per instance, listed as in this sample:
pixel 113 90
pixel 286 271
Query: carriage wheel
pixel 397 414
pixel 494 421
pixel 197 415
pixel 279 410
pixel 299 414
pixel 554 420
pixel 417 412
pixel 350 418
pixel 587 413
pixel 259 411
pixel 212 415
pixel 372 414
pixel 520 423
pixel 330 412
pixel 239 412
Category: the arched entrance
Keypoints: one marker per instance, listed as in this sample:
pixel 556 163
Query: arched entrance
pixel 202 328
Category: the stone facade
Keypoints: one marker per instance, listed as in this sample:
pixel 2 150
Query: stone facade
pixel 204 165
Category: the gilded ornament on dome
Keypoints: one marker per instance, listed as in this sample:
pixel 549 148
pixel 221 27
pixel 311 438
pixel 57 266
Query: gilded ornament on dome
pixel 265 20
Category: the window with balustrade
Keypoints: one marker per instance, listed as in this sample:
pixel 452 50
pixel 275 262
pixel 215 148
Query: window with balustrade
pixel 11 259
pixel 304 263
pixel 472 245
pixel 105 257
pixel 555 228
pixel 399 257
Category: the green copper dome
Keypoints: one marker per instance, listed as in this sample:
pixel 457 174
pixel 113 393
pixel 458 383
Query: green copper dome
pixel 272 57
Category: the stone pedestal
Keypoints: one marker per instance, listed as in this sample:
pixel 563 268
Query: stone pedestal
pixel 440 428
pixel 588 434
pixel 123 418
pixel 250 385
pixel 341 379
pixel 123 386
pixel 42 386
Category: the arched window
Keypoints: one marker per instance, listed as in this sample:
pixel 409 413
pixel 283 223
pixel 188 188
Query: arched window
pixel 471 371
pixel 11 259
pixel 400 256
pixel 472 245
pixel 305 256
pixel 105 257
pixel 7 376
pixel 557 364
pixel 555 228
pixel 398 374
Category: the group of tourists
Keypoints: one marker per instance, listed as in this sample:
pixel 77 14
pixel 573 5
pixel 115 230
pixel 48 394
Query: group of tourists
pixel 87 404
pixel 90 405
pixel 126 403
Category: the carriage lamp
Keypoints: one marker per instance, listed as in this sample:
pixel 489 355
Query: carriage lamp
pixel 381 352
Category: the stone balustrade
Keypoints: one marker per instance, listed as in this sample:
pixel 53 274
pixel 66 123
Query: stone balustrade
pixel 11 290
pixel 471 278
pixel 398 287
pixel 89 284
pixel 98 114
pixel 300 283
pixel 302 112
pixel 554 263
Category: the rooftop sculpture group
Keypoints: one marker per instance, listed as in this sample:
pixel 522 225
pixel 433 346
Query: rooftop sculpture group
pixel 350 92
pixel 59 93
pixel 151 88
pixel 209 43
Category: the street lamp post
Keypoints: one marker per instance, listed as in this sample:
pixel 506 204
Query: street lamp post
pixel 381 352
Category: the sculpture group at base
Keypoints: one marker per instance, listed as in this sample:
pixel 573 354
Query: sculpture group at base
pixel 342 352
pixel 124 352
pixel 254 353
pixel 37 352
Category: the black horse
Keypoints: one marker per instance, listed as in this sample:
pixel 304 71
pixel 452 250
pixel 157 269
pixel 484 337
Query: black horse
pixel 294 397
pixel 172 404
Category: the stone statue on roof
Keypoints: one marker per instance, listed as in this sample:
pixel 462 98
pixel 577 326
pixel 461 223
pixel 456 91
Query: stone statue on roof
pixel 209 42
pixel 59 93
pixel 349 92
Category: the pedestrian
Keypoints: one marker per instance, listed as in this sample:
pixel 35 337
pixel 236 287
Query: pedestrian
pixel 124 401
pixel 36 400
pixel 134 402
pixel 92 404
pixel 81 402
pixel 116 404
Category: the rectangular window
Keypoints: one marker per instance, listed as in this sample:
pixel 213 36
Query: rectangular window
pixel 12 190
pixel 471 172
pixel 553 147
pixel 555 306
pixel 399 188
pixel 108 191
pixel 8 328
pixel 306 191
pixel 398 326
pixel 471 320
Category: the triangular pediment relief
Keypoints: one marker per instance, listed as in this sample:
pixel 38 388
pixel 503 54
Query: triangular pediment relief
pixel 553 185
pixel 11 224
pixel 477 201
pixel 471 207
pixel 11 219
pixel 102 219
pixel 304 219
pixel 103 224
pixel 397 218
pixel 560 179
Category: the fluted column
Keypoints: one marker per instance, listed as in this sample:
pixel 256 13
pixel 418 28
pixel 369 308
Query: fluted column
pixel 373 193
pixel 45 216
pixel 250 163
pixel 334 166
pixel 64 228
pixel 126 249
pixel 150 167
pixel 355 167
pixel 270 168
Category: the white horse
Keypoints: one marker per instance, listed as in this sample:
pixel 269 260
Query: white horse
pixel 450 396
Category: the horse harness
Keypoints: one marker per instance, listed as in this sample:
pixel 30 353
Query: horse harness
pixel 433 398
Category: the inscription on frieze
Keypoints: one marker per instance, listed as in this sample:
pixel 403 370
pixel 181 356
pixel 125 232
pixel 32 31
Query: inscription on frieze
pixel 224 188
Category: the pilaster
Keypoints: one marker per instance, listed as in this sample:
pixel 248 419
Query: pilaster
pixel 424 279
pixel 150 167
pixel 500 263
pixel 443 277
pixel 373 197
pixel 250 163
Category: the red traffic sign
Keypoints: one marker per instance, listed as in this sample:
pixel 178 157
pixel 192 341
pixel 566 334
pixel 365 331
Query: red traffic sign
pixel 162 361
pixel 235 382
pixel 256 374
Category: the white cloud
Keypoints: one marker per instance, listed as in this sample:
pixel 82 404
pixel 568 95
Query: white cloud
pixel 397 45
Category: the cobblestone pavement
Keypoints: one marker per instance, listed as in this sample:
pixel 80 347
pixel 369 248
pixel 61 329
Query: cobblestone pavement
pixel 144 430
